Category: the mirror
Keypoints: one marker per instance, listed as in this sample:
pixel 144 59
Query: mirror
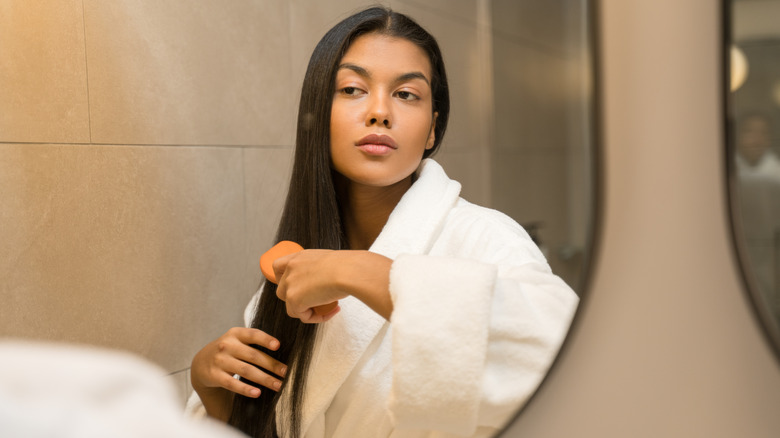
pixel 752 51
pixel 145 148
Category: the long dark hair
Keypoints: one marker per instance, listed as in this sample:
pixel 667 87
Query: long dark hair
pixel 311 213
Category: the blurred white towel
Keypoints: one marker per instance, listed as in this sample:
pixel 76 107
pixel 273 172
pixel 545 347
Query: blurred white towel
pixel 56 390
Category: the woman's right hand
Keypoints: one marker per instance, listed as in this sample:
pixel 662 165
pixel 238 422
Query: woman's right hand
pixel 214 366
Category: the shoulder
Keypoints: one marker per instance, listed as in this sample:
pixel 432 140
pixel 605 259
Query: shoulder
pixel 488 234
pixel 465 212
pixel 773 163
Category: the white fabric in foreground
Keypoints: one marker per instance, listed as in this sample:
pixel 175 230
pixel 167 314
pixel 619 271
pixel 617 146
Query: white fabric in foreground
pixel 57 390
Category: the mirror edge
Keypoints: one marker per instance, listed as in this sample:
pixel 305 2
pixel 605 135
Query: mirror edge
pixel 769 326
pixel 597 199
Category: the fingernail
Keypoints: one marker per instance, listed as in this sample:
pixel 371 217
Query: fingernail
pixel 277 384
pixel 282 371
pixel 254 392
pixel 274 344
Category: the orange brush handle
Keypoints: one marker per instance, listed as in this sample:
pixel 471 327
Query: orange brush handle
pixel 281 249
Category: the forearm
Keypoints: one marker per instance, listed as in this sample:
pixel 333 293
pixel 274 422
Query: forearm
pixel 366 276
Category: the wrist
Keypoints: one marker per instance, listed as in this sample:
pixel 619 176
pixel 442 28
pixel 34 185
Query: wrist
pixel 366 276
pixel 216 401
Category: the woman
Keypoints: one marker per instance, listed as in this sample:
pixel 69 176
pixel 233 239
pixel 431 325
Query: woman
pixel 449 315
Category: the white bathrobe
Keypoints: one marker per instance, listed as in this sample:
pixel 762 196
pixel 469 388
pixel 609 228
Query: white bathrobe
pixel 478 318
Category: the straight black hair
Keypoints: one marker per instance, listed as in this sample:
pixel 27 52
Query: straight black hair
pixel 311 213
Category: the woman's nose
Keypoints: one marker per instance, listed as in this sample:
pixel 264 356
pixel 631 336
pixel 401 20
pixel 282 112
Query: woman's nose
pixel 379 112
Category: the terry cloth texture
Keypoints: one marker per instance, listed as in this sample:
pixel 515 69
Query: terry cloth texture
pixel 478 319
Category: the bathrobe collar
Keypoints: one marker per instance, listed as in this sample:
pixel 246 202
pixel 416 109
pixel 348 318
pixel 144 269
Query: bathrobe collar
pixel 419 216
pixel 411 228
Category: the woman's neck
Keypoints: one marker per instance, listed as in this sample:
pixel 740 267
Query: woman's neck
pixel 365 210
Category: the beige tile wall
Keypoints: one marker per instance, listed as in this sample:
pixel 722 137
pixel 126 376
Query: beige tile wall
pixel 165 72
pixel 145 148
pixel 43 81
pixel 541 156
pixel 145 235
pixel 534 23
pixel 137 248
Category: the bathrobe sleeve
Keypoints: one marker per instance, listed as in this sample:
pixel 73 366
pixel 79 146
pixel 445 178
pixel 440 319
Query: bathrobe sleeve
pixel 476 325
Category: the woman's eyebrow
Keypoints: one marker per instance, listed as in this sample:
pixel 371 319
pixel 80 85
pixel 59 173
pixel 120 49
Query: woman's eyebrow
pixel 366 74
pixel 412 75
pixel 357 69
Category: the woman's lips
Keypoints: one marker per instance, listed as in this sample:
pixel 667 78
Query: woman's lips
pixel 375 144
pixel 375 149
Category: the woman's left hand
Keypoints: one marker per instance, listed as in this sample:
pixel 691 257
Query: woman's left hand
pixel 315 277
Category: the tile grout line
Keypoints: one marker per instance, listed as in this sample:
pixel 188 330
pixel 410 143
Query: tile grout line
pixel 177 372
pixel 516 39
pixel 243 197
pixel 445 13
pixel 86 67
pixel 241 146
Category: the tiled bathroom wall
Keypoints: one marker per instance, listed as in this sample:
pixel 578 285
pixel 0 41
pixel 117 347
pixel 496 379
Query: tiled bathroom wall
pixel 542 149
pixel 145 149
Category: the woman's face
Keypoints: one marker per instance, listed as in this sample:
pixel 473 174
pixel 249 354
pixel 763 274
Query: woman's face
pixel 381 119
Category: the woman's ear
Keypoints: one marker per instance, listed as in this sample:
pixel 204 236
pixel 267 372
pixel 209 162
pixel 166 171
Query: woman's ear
pixel 432 134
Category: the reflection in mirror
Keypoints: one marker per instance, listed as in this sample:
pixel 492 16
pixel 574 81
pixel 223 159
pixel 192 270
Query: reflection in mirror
pixel 458 274
pixel 145 160
pixel 754 114
pixel 542 141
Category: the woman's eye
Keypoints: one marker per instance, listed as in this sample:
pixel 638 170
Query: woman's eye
pixel 350 91
pixel 405 95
